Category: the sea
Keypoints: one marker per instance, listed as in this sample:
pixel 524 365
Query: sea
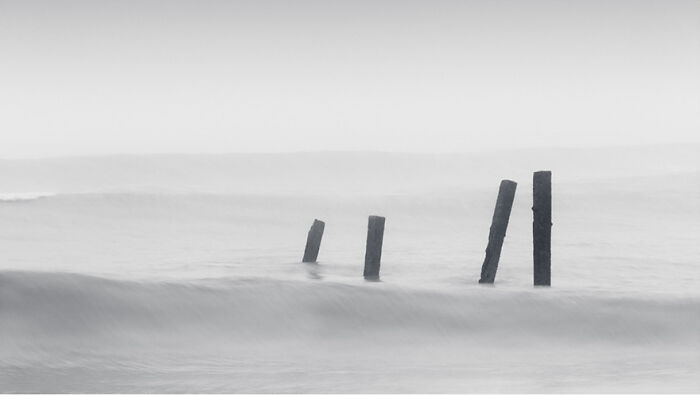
pixel 182 273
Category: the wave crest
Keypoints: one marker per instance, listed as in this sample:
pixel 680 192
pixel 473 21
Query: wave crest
pixel 24 196
pixel 81 306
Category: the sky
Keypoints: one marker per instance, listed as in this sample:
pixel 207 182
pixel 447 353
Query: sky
pixel 104 77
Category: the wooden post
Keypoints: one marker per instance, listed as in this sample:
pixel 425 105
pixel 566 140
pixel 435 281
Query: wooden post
pixel 499 224
pixel 373 254
pixel 542 227
pixel 313 241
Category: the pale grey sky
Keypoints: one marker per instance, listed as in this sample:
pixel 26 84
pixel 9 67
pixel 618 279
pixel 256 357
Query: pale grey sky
pixel 99 77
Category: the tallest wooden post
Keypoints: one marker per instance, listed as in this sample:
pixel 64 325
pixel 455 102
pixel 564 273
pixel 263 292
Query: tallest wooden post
pixel 542 227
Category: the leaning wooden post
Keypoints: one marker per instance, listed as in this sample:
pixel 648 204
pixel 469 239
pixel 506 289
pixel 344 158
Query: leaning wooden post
pixel 499 224
pixel 542 227
pixel 373 254
pixel 313 241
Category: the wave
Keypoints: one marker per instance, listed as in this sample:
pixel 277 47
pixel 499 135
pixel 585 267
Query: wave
pixel 24 196
pixel 73 333
pixel 60 305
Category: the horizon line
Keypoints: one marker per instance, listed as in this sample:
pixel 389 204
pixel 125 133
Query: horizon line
pixel 349 151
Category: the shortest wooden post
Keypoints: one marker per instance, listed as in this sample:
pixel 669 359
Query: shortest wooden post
pixel 313 241
pixel 542 227
pixel 499 224
pixel 373 254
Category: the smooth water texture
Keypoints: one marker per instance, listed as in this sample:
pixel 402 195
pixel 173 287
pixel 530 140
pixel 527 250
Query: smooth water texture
pixel 184 274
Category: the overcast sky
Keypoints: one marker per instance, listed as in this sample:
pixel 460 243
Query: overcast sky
pixel 97 77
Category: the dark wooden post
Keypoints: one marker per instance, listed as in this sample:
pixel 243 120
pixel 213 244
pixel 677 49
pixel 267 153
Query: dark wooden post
pixel 373 254
pixel 313 241
pixel 499 224
pixel 542 227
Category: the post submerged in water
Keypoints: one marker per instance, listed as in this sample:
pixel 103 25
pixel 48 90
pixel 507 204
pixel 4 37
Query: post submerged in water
pixel 313 241
pixel 373 254
pixel 542 227
pixel 497 232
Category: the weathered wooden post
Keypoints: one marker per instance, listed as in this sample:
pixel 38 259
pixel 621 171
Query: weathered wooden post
pixel 499 224
pixel 313 241
pixel 373 254
pixel 542 227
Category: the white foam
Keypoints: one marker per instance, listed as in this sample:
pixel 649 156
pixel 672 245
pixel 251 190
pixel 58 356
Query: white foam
pixel 24 196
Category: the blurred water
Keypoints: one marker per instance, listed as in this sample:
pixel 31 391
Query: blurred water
pixel 145 289
pixel 614 237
